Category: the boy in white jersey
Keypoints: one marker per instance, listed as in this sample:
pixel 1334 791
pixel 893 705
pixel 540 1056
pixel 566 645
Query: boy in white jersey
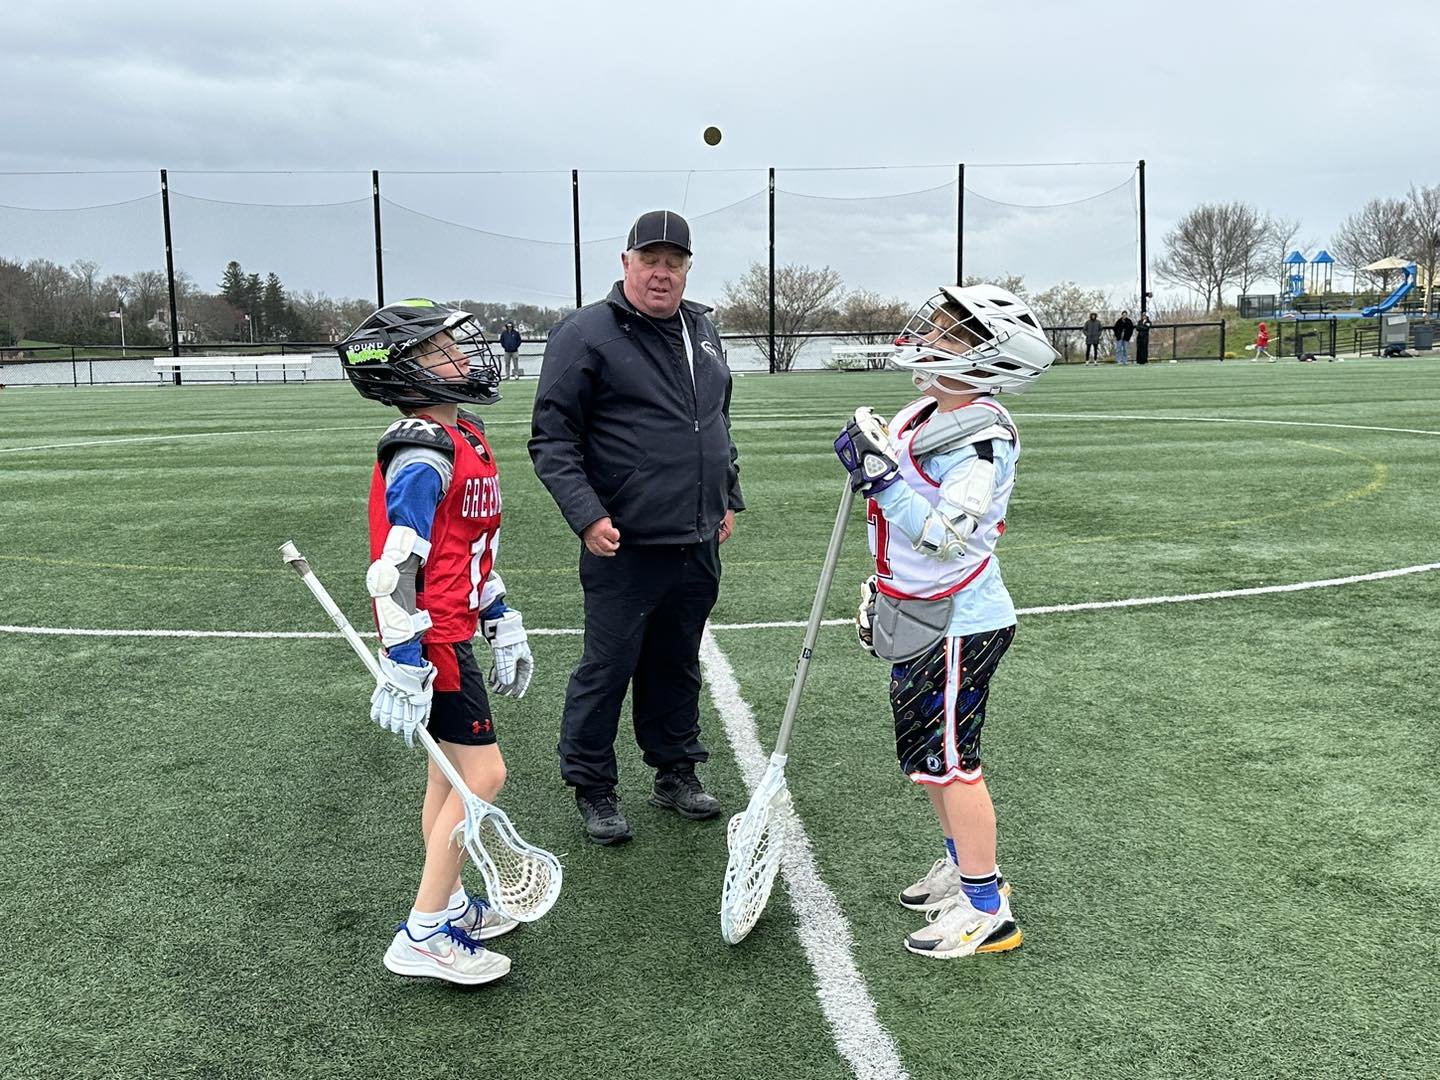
pixel 938 480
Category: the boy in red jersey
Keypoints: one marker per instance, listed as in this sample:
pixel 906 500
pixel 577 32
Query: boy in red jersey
pixel 434 531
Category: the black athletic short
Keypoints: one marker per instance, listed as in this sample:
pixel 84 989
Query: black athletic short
pixel 460 709
pixel 939 704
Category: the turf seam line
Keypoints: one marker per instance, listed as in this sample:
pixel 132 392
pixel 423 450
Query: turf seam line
pixel 846 1002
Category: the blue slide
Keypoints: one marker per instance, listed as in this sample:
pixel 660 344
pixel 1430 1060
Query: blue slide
pixel 1394 298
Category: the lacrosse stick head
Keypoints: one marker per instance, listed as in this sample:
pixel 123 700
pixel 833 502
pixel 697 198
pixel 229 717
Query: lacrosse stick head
pixel 522 881
pixel 757 844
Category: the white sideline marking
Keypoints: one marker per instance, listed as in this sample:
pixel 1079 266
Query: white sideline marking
pixel 1146 601
pixel 849 1009
pixel 1224 420
pixel 183 435
pixel 570 631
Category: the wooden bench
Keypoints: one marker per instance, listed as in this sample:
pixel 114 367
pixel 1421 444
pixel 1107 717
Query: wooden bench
pixel 171 368
pixel 865 357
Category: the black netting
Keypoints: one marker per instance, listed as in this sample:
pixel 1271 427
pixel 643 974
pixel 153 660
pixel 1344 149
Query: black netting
pixel 1055 223
pixel 887 231
pixel 492 238
pixel 727 212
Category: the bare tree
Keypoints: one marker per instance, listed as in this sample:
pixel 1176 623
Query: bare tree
pixel 1212 246
pixel 868 318
pixel 1014 283
pixel 804 296
pixel 1425 223
pixel 1280 234
pixel 1066 305
pixel 1380 230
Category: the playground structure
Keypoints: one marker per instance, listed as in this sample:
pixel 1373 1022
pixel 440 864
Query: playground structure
pixel 1309 297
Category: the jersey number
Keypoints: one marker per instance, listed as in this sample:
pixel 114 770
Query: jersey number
pixel 482 561
pixel 879 537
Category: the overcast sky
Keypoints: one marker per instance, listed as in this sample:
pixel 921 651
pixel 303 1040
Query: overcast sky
pixel 1305 110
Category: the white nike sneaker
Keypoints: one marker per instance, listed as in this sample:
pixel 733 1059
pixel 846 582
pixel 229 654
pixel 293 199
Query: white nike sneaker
pixel 939 886
pixel 446 953
pixel 933 890
pixel 482 921
pixel 960 929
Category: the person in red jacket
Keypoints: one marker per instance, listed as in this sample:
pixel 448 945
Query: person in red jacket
pixel 1262 341
pixel 434 530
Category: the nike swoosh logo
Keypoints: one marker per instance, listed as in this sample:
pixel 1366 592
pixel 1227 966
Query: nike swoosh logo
pixel 449 961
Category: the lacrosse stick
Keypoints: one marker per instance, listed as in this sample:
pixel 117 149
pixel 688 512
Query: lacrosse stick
pixel 756 838
pixel 523 880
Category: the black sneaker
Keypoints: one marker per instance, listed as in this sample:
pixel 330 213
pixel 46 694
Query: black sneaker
pixel 604 823
pixel 681 790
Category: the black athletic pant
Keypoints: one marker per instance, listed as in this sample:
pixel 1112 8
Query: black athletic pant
pixel 645 611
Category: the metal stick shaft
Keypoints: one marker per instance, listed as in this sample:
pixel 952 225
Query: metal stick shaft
pixel 817 610
pixel 297 562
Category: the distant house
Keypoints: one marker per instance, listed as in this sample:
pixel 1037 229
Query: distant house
pixel 160 323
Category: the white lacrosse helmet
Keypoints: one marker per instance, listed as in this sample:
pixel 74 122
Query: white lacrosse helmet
pixel 977 336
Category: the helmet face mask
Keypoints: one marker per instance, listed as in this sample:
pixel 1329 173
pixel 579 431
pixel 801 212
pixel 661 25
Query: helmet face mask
pixel 974 339
pixel 393 356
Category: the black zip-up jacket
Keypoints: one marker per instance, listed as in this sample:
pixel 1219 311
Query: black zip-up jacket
pixel 620 431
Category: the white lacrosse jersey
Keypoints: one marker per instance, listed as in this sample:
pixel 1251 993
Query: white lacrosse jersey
pixel 896 515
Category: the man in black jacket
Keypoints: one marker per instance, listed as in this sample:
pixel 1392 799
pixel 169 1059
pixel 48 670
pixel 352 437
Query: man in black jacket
pixel 1124 329
pixel 631 435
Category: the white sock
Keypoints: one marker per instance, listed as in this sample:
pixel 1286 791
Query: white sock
pixel 459 901
pixel 422 924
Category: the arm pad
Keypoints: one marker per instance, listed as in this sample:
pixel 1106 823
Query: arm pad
pixel 391 584
pixel 965 495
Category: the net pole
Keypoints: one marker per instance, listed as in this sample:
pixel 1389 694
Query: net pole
pixel 170 269
pixel 379 256
pixel 575 231
pixel 1144 270
pixel 772 270
pixel 960 224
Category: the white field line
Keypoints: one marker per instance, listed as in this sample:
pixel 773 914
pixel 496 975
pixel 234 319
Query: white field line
pixel 1222 420
pixel 184 435
pixel 848 1007
pixel 738 417
pixel 570 631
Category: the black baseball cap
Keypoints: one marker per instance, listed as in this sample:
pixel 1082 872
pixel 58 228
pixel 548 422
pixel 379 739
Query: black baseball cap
pixel 659 227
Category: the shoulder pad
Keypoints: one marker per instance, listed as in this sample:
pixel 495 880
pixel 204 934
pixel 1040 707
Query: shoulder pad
pixel 472 419
pixel 414 431
pixel 945 431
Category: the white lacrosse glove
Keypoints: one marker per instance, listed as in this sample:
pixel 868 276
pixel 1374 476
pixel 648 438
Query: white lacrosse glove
pixel 401 701
pixel 513 663
pixel 865 616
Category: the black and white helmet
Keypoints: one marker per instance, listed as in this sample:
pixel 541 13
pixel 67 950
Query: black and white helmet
pixel 381 356
pixel 978 336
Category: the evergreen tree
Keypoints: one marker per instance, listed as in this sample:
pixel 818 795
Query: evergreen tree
pixel 272 307
pixel 232 285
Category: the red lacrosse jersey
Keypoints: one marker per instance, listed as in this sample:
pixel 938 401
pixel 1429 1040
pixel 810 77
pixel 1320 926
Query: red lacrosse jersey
pixel 466 529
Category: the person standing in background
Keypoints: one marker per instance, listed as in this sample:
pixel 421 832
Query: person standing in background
pixel 1124 328
pixel 1093 329
pixel 510 343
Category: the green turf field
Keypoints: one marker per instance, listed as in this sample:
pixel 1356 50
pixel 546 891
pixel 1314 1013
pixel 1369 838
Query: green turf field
pixel 1220 816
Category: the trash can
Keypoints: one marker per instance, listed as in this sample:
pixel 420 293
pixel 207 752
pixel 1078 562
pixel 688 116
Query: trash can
pixel 1422 335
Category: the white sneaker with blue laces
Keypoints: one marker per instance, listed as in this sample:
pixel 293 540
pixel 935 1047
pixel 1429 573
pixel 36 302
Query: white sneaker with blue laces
pixel 446 952
pixel 480 920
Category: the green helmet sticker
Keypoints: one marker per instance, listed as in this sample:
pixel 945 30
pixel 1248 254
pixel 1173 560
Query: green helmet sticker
pixel 416 302
pixel 366 352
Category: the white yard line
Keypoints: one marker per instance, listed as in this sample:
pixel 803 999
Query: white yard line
pixel 570 631
pixel 849 1009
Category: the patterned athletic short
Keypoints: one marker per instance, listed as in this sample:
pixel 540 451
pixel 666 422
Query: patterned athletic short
pixel 939 704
